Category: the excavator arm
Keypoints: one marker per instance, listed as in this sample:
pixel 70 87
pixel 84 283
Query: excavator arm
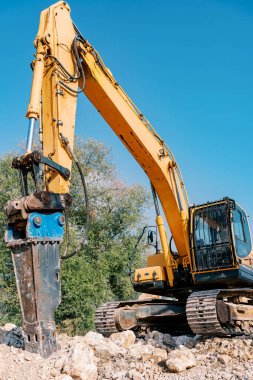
pixel 67 64
pixel 64 50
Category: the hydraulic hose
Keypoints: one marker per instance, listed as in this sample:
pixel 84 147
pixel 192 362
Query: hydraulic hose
pixel 86 198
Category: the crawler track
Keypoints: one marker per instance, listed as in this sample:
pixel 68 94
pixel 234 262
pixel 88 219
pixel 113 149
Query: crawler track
pixel 104 318
pixel 203 316
pixel 207 312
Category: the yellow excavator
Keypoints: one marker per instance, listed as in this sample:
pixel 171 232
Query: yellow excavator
pixel 206 281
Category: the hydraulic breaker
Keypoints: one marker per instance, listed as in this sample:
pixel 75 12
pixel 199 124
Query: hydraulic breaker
pixel 35 230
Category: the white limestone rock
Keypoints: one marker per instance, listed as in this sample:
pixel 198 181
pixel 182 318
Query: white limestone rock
pixel 80 363
pixel 103 346
pixel 180 360
pixel 123 339
pixel 147 352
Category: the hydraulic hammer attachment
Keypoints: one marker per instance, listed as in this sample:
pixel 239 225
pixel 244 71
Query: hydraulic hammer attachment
pixel 37 269
pixel 35 230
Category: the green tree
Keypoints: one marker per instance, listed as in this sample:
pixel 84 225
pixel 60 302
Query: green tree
pixel 9 189
pixel 98 272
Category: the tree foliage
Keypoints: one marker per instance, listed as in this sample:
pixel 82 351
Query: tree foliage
pixel 98 272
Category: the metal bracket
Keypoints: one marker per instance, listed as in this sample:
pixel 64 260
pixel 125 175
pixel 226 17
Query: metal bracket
pixel 30 163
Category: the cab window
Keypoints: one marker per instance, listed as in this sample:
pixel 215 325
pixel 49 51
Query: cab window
pixel 238 226
pixel 241 233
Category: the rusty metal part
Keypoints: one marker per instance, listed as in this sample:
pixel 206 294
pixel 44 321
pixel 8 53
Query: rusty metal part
pixel 125 318
pixel 220 312
pixel 37 270
pixel 41 201
pixel 241 312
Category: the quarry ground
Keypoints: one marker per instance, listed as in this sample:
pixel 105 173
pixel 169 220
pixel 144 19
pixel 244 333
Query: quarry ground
pixel 123 356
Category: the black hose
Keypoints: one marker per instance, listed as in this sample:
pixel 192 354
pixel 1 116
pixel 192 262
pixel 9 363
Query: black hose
pixel 87 219
pixel 78 68
pixel 132 254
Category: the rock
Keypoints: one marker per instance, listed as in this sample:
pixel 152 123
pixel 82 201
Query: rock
pixel 14 338
pixel 64 377
pixel 80 363
pixel 103 346
pixel 156 336
pixel 224 359
pixel 147 352
pixel 54 372
pixel 198 337
pixel 146 296
pixel 59 363
pixel 123 339
pixel 169 341
pixel 9 326
pixel 134 375
pixel 117 375
pixel 153 342
pixel 185 340
pixel 93 338
pixel 180 359
pixel 28 356
pixel 107 371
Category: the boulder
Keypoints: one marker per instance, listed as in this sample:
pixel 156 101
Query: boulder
pixel 9 326
pixel 185 340
pixel 123 339
pixel 147 352
pixel 180 359
pixel 169 341
pixel 14 337
pixel 80 362
pixel 156 336
pixel 103 346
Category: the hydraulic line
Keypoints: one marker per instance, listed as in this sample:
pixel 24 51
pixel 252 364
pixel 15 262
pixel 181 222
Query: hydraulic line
pixel 132 254
pixel 87 218
pixel 78 71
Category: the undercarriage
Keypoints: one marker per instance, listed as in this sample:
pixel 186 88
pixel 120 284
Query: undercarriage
pixel 218 312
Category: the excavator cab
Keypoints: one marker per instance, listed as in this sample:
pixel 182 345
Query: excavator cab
pixel 220 242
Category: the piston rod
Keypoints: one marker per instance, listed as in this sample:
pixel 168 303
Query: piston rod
pixel 30 135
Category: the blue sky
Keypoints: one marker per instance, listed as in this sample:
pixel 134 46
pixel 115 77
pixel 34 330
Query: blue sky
pixel 188 65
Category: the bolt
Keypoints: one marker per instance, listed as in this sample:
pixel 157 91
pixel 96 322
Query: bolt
pixel 37 221
pixel 61 220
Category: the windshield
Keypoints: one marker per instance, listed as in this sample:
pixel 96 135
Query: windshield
pixel 211 226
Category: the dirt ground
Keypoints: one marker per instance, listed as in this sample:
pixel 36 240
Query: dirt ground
pixel 123 356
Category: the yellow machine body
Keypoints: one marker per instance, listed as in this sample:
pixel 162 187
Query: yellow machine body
pixel 54 65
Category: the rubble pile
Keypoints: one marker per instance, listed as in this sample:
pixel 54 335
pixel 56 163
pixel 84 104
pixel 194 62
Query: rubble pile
pixel 124 356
